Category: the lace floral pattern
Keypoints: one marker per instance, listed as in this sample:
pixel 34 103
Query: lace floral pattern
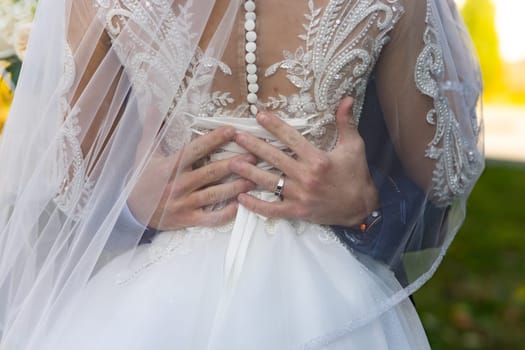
pixel 137 37
pixel 332 63
pixel 159 77
pixel 457 165
pixel 74 184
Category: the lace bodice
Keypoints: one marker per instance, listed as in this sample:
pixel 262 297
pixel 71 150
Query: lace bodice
pixel 312 54
pixel 330 56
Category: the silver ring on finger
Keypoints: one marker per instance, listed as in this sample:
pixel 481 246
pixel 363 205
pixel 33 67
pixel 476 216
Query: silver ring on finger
pixel 279 188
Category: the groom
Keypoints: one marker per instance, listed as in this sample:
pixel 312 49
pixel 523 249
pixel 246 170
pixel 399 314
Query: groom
pixel 402 201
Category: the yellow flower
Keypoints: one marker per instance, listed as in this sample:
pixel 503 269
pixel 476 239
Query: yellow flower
pixel 6 95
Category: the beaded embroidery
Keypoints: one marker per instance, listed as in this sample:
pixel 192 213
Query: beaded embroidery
pixel 74 185
pixel 457 165
pixel 332 63
pixel 136 20
pixel 341 45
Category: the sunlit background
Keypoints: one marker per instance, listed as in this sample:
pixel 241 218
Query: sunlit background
pixel 498 29
pixel 509 26
pixel 476 300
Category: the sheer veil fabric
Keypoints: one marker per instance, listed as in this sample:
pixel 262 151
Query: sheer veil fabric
pixel 111 93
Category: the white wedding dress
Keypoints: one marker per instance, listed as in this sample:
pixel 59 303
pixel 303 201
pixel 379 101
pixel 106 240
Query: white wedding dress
pixel 256 283
pixel 298 289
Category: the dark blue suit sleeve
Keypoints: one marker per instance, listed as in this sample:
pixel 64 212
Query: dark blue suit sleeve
pixel 400 198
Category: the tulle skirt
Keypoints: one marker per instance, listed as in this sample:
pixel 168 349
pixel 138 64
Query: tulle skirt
pixel 297 287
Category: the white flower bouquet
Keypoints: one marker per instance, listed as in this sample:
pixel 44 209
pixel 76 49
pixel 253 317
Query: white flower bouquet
pixel 16 17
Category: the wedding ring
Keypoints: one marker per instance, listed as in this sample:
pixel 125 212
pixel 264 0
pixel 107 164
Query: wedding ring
pixel 279 188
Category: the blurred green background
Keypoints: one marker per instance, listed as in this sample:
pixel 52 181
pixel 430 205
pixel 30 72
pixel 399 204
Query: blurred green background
pixel 476 300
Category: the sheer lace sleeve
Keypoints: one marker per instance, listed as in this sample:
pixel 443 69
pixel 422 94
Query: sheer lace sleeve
pixel 429 84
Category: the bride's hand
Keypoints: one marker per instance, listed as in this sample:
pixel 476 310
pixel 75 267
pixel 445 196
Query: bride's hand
pixel 189 190
pixel 333 188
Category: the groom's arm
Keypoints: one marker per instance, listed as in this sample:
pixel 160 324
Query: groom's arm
pixel 383 233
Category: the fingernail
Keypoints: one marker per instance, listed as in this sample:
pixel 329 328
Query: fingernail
pixel 229 132
pixel 240 137
pixel 249 158
pixel 235 165
pixel 262 117
pixel 241 198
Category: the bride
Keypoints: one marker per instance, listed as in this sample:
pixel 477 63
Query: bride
pixel 190 174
